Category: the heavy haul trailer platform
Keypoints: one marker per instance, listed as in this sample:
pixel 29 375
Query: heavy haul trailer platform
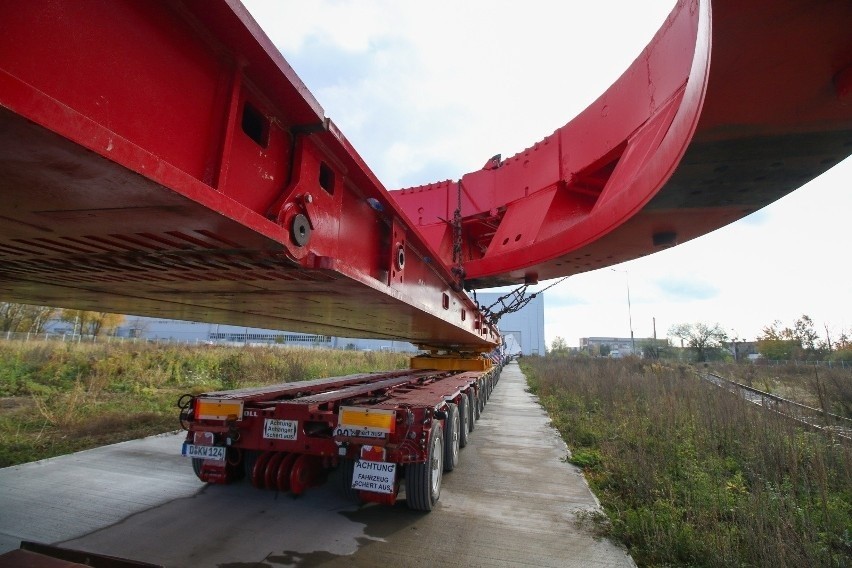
pixel 382 429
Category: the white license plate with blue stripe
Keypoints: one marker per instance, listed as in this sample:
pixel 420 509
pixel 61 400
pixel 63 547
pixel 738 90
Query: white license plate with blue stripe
pixel 216 453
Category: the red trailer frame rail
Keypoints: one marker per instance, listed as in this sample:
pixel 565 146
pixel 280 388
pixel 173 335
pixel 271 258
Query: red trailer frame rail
pixel 161 158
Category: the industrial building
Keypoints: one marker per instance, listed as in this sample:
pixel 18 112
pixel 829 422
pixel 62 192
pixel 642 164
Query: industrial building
pixel 618 346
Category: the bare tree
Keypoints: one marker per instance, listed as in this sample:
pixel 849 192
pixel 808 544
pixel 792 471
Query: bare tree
pixel 24 318
pixel 91 323
pixel 700 337
pixel 40 316
pixel 11 315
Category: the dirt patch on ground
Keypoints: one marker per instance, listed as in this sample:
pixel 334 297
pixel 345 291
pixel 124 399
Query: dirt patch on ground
pixel 15 404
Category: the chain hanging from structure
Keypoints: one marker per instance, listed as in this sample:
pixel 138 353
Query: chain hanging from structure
pixel 458 268
pixel 511 302
pixel 508 303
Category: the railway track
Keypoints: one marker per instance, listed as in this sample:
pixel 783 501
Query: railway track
pixel 838 427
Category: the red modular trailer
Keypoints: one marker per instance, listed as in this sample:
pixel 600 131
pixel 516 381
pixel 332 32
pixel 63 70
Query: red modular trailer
pixel 161 158
pixel 383 428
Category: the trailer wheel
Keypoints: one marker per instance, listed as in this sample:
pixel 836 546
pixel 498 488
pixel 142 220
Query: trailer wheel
pixel 451 437
pixel 423 480
pixel 270 472
pixel 197 464
pixel 464 420
pixel 235 458
pixel 249 457
pixel 474 405
pixel 258 471
pixel 347 470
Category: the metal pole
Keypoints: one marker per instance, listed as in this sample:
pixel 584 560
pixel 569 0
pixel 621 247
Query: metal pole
pixel 629 310
pixel 630 315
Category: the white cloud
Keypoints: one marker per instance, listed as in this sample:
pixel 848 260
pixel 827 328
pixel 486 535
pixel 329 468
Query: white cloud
pixel 460 80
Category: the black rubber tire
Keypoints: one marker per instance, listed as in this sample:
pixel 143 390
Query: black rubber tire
pixel 464 420
pixel 249 457
pixel 474 404
pixel 423 480
pixel 452 434
pixel 483 398
pixel 196 467
pixel 236 469
pixel 347 470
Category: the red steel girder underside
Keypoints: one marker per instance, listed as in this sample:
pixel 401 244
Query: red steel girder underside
pixel 161 158
pixel 731 106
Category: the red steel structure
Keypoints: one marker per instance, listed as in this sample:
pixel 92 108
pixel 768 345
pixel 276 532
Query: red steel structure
pixel 161 158
pixel 731 106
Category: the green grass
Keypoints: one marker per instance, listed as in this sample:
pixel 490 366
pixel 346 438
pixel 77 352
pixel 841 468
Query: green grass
pixel 57 398
pixel 689 475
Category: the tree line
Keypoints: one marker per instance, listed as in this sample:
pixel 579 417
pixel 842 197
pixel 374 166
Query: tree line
pixel 25 318
pixel 777 342
pixel 706 342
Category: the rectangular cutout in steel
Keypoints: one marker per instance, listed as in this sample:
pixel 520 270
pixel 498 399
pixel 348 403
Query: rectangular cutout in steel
pixel 255 125
pixel 326 178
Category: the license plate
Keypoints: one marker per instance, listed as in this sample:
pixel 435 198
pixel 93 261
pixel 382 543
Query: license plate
pixel 357 422
pixel 216 453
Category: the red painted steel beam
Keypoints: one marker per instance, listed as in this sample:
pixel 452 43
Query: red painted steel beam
pixel 732 105
pixel 163 159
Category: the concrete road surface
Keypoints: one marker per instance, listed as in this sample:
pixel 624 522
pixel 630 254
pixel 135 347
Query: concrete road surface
pixel 510 502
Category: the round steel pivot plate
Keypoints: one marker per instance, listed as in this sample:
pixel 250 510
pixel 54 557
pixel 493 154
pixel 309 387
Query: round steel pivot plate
pixel 400 257
pixel 300 230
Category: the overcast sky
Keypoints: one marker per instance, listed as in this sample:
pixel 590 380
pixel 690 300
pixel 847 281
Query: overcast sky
pixel 427 91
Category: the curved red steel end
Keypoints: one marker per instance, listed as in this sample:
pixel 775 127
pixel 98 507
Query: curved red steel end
pixel 726 110
pixel 258 471
pixel 282 478
pixel 306 472
pixel 270 475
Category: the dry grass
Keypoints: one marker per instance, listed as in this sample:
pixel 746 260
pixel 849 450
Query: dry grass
pixel 692 476
pixel 820 387
pixel 57 398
